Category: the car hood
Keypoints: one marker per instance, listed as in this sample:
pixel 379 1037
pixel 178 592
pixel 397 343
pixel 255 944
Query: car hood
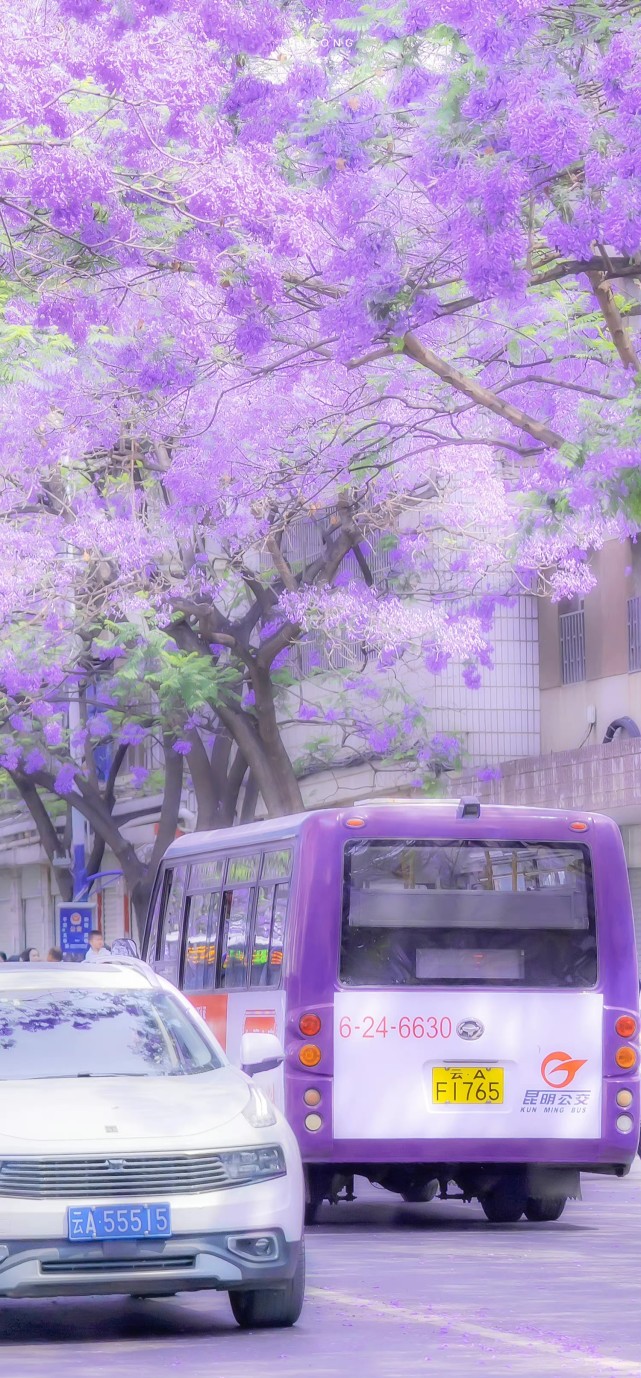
pixel 84 1114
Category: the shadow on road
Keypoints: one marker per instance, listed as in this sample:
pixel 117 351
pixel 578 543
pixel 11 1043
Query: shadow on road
pixel 386 1213
pixel 88 1320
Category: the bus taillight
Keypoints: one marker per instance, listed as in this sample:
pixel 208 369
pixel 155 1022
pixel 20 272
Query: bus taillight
pixel 309 1055
pixel 626 1058
pixel 626 1026
pixel 309 1024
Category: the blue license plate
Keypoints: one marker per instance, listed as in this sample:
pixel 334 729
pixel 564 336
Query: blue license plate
pixel 119 1222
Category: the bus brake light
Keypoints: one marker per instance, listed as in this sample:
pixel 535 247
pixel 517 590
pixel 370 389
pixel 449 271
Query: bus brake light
pixel 626 1058
pixel 309 1055
pixel 309 1024
pixel 626 1026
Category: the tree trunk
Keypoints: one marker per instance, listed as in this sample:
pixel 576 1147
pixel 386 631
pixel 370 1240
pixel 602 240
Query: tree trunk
pixel 250 799
pixel 283 791
pixel 47 834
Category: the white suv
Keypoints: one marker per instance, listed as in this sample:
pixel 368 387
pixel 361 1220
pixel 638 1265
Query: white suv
pixel 133 1156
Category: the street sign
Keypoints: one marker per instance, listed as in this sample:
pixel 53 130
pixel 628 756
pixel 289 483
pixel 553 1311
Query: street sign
pixel 76 923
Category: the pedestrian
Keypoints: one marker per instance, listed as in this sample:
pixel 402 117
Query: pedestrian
pixel 54 954
pixel 97 952
pixel 3 956
pixel 30 954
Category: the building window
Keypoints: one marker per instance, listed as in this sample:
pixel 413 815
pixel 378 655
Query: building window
pixel 634 633
pixel 572 630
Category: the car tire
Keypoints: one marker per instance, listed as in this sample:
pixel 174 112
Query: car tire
pixel 545 1208
pixel 262 1307
pixel 505 1204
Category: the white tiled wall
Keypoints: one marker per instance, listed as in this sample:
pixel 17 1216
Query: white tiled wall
pixel 500 720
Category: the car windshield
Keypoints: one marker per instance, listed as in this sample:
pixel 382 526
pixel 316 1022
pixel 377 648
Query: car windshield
pixel 99 1033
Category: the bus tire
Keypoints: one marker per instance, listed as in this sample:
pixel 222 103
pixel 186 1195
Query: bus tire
pixel 545 1208
pixel 504 1204
pixel 263 1307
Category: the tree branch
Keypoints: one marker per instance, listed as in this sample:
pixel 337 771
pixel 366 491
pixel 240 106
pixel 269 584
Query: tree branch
pixel 477 393
pixel 614 321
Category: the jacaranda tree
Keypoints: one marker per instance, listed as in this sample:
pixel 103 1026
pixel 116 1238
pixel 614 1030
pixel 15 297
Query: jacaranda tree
pixel 373 269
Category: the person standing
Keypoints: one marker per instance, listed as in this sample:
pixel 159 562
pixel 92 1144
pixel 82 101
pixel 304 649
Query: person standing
pixel 97 952
pixel 54 954
pixel 30 954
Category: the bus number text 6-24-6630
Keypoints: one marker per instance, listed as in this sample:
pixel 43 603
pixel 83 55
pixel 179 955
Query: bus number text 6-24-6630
pixel 418 1026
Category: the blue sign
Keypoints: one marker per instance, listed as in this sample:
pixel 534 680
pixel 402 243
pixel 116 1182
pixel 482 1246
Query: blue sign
pixel 76 923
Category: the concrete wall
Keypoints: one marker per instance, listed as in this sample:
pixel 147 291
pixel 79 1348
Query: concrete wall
pixel 609 689
pixel 604 779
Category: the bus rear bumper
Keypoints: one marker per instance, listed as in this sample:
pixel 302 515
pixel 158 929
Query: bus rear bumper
pixel 613 1154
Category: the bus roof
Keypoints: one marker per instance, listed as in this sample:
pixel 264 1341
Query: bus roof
pixel 378 811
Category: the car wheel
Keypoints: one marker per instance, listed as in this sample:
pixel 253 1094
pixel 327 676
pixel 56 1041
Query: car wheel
pixel 505 1204
pixel 270 1306
pixel 547 1208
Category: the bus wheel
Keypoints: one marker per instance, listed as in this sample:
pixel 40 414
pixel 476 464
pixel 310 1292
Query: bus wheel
pixel 545 1208
pixel 504 1204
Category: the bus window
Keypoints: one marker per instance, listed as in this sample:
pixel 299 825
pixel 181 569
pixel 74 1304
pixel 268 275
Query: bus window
pixel 234 937
pixel 242 869
pixel 278 936
pixel 200 945
pixel 159 898
pixel 168 960
pixel 269 928
pixel 206 875
pixel 276 865
pixel 262 936
pixel 496 913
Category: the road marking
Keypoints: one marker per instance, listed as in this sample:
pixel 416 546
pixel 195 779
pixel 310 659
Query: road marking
pixel 438 1320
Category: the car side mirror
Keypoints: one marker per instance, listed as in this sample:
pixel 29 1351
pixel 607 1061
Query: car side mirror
pixel 260 1052
pixel 124 947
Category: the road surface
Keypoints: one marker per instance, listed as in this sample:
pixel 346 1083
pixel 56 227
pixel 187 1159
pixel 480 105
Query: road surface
pixel 394 1291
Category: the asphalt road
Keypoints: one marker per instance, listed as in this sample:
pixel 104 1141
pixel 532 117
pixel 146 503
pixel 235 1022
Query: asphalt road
pixel 394 1291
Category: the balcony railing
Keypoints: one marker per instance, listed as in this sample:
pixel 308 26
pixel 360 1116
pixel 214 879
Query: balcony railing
pixel 634 633
pixel 572 628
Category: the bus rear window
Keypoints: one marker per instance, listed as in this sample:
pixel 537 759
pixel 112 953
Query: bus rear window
pixel 467 913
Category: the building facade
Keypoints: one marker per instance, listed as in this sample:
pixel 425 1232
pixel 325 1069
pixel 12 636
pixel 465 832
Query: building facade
pixel 590 705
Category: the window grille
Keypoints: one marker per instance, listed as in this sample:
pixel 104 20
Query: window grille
pixel 634 633
pixel 572 631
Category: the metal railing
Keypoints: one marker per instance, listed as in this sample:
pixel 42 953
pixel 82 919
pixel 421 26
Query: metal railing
pixel 572 630
pixel 634 633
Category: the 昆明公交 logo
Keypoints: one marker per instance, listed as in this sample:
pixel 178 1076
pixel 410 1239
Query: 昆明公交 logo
pixel 559 1069
pixel 470 1028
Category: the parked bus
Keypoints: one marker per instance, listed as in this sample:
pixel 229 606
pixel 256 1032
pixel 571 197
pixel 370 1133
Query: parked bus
pixel 454 985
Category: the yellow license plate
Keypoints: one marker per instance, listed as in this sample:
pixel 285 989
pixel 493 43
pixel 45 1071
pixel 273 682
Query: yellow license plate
pixel 467 1085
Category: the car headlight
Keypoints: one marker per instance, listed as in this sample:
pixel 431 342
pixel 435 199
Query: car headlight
pixel 258 1110
pixel 253 1164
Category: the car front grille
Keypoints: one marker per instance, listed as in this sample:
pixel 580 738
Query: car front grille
pixel 133 1175
pixel 119 1265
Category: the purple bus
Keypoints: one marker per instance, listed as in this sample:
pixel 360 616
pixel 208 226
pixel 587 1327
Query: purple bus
pixel 454 987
